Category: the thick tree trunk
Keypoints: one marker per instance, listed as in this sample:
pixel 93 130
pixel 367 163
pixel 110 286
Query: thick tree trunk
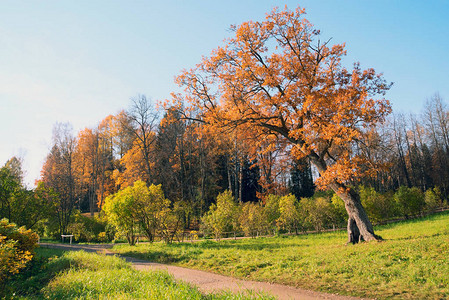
pixel 359 226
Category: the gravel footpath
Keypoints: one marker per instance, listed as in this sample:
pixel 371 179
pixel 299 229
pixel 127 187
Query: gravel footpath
pixel 208 282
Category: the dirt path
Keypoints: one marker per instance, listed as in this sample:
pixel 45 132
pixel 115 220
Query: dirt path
pixel 209 282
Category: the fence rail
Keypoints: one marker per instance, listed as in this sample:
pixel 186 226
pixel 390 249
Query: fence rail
pixel 195 236
pixel 273 232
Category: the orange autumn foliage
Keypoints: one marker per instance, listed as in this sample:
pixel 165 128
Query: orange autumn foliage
pixel 133 168
pixel 286 88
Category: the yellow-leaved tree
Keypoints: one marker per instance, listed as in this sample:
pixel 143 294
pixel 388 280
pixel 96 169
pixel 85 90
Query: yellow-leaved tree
pixel 138 208
pixel 276 78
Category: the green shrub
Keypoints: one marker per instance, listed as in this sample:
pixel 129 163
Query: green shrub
pixel 222 216
pixel 340 214
pixel 102 237
pixel 271 209
pixel 80 232
pixel 410 200
pixel 138 209
pixel 289 217
pixel 87 229
pixel 378 207
pixel 317 213
pixel 252 219
pixel 16 248
pixel 432 197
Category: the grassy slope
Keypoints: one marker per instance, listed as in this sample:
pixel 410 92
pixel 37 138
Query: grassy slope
pixel 81 275
pixel 412 261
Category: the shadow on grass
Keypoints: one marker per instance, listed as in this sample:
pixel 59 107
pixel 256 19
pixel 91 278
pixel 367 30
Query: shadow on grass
pixel 182 252
pixel 256 244
pixel 271 243
pixel 263 243
pixel 157 256
pixel 421 237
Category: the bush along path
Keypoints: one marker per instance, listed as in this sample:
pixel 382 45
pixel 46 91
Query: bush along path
pixel 208 282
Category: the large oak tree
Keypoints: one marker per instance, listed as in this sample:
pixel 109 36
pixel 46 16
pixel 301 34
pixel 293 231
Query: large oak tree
pixel 276 78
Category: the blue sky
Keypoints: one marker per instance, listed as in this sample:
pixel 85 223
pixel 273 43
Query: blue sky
pixel 79 61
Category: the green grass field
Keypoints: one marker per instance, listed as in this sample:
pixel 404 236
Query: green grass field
pixel 81 275
pixel 411 263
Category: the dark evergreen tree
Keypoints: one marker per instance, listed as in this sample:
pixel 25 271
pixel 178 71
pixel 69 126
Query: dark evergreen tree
pixel 250 181
pixel 301 180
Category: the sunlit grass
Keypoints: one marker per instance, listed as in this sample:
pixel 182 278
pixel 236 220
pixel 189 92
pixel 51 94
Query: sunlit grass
pixel 93 276
pixel 82 275
pixel 411 262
